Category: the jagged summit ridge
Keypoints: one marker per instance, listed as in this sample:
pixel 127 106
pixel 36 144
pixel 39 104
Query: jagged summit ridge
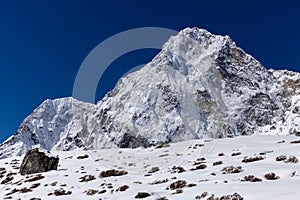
pixel 200 85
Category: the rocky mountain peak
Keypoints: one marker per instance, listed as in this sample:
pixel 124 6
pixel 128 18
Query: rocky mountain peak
pixel 200 85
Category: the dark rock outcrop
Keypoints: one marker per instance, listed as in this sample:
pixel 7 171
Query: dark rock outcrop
pixel 36 161
pixel 142 195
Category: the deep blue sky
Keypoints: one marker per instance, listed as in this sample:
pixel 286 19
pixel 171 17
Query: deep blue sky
pixel 43 43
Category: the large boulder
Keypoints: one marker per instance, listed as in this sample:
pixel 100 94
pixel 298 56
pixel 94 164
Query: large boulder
pixel 37 160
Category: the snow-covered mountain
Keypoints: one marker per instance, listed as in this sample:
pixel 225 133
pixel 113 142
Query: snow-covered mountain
pixel 200 85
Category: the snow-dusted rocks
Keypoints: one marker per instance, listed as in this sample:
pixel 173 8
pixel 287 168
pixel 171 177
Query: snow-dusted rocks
pixel 124 173
pixel 199 86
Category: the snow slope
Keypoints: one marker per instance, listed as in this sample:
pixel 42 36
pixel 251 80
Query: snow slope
pixel 199 86
pixel 77 176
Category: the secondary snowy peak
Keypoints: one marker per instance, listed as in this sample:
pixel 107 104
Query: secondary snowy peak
pixel 47 126
pixel 200 85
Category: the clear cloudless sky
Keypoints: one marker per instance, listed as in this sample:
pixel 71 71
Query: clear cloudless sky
pixel 43 43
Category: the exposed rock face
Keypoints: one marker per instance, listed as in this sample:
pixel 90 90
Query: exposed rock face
pixel 200 85
pixel 36 161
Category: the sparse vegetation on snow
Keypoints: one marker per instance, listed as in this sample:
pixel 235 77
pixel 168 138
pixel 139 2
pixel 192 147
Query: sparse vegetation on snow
pixel 186 173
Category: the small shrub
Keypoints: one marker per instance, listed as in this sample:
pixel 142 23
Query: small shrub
pixel 291 159
pixel 191 185
pixel 202 196
pixel 251 178
pixel 177 169
pixel 142 195
pixel 234 196
pixel 91 192
pixel 201 159
pixel 54 184
pixel 35 178
pixel 102 191
pixel 177 184
pixel 295 142
pixel 112 172
pixel 231 170
pixel 202 166
pixel 163 155
pixel 271 176
pixel 293 173
pixel 153 170
pixel 198 167
pixel 83 156
pixel 280 158
pixel 178 191
pixel 25 190
pixel 162 145
pixel 252 159
pixel 265 152
pixel 87 178
pixel 123 188
pixel 35 185
pixel 236 153
pixel 12 192
pixel 217 163
pixel 61 192
pixel 159 181
pixel 198 145
pixel 7 179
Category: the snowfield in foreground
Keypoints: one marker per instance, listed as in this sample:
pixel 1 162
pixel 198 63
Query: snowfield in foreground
pixel 252 167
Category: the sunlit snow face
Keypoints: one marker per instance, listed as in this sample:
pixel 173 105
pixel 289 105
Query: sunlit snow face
pixel 99 59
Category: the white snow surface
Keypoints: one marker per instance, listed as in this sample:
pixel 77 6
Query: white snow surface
pixel 199 86
pixel 137 162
